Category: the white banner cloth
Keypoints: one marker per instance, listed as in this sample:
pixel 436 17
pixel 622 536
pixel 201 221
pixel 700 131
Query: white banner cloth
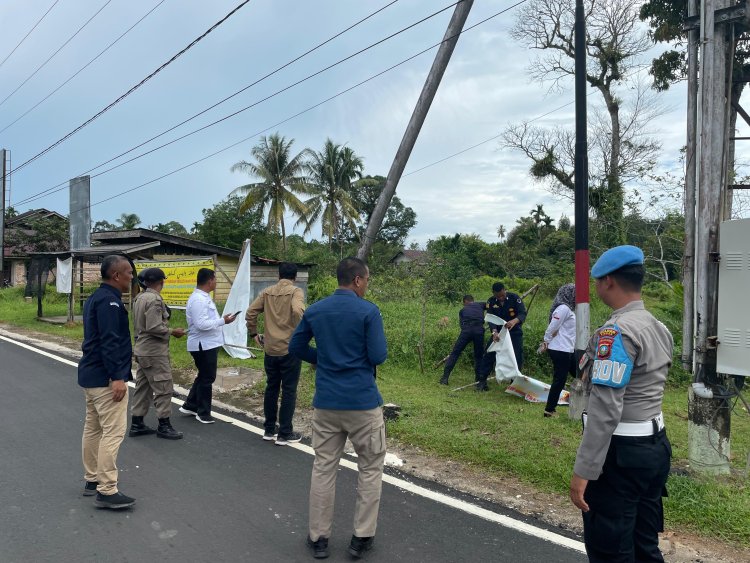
pixel 64 275
pixel 235 334
pixel 506 367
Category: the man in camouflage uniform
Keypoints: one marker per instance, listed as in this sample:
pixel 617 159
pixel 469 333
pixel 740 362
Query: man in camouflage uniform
pixel 153 381
pixel 623 461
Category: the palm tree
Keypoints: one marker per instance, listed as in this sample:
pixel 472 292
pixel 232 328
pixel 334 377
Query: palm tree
pixel 330 173
pixel 282 178
pixel 501 232
pixel 128 221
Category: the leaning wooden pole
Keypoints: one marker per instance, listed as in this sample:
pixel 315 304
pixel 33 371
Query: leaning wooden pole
pixel 429 89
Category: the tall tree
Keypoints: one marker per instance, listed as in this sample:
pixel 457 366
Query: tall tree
pixel 615 46
pixel 103 225
pixel 225 225
pixel 170 228
pixel 282 178
pixel 331 173
pixel 128 221
pixel 398 221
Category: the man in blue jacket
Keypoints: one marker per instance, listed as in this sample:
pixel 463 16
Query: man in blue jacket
pixel 348 332
pixel 103 372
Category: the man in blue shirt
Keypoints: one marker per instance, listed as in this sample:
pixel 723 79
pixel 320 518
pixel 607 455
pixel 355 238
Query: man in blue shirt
pixel 103 372
pixel 348 332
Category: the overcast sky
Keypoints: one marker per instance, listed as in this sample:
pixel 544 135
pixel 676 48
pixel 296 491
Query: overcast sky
pixel 485 88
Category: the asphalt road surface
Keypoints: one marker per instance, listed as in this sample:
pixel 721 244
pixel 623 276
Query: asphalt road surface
pixel 220 494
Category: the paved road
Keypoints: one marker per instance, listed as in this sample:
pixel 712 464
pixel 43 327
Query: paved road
pixel 220 494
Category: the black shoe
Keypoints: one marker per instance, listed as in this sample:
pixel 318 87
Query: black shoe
pixel 117 500
pixel 137 428
pixel 186 410
pixel 166 431
pixel 285 439
pixel 358 546
pixel 270 436
pixel 89 489
pixel 319 547
pixel 444 380
pixel 205 419
pixel 482 386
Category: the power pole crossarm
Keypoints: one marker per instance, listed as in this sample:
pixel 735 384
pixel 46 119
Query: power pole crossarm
pixel 443 56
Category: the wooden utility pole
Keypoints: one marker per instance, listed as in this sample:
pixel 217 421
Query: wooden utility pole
pixel 429 89
pixel 708 422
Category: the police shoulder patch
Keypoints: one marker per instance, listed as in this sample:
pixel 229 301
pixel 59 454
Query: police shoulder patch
pixel 612 364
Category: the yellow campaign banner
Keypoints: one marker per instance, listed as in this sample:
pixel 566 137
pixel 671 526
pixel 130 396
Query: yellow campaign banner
pixel 181 277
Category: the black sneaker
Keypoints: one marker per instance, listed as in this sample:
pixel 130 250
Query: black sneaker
pixel 205 419
pixel 117 500
pixel 285 439
pixel 89 489
pixel 269 436
pixel 358 546
pixel 319 547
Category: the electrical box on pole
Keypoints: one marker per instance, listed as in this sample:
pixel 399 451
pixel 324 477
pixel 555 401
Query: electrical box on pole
pixel 733 346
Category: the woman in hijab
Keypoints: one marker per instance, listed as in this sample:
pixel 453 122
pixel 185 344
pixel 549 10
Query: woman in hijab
pixel 559 342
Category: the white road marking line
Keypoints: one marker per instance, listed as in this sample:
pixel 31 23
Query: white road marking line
pixel 402 484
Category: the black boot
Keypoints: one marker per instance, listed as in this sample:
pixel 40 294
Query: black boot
pixel 481 384
pixel 166 431
pixel 444 380
pixel 137 428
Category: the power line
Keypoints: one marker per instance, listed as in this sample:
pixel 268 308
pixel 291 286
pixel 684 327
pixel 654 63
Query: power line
pixel 53 189
pixel 480 143
pixel 32 108
pixel 41 66
pixel 29 33
pixel 193 163
pixel 134 88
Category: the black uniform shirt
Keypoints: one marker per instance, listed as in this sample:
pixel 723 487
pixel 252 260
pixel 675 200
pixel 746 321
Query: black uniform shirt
pixel 511 308
pixel 471 317
pixel 107 350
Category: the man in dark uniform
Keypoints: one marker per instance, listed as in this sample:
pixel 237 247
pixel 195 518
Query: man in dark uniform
pixel 509 307
pixel 471 320
pixel 623 461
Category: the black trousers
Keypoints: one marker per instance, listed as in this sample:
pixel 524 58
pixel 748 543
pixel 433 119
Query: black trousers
pixel 625 504
pixel 199 398
pixel 282 375
pixel 563 363
pixel 488 360
pixel 477 338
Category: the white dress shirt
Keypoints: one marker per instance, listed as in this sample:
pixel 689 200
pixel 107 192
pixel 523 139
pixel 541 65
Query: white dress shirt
pixel 561 332
pixel 204 322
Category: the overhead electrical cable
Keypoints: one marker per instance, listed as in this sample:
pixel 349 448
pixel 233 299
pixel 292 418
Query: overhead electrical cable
pixel 133 89
pixel 193 163
pixel 107 48
pixel 29 33
pixel 60 48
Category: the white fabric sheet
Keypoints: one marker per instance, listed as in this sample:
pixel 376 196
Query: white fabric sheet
pixel 64 275
pixel 235 334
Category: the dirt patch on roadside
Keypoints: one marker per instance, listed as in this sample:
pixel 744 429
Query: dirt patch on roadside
pixel 553 509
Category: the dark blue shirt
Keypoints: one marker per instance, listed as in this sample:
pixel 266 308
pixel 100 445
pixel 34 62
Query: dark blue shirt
pixel 107 350
pixel 471 317
pixel 511 308
pixel 350 342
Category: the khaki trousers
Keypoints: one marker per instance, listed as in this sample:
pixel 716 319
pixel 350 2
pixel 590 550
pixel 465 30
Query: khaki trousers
pixel 153 383
pixel 103 432
pixel 330 429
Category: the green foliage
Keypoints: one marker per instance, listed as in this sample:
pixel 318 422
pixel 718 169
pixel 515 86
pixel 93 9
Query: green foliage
pixel 398 220
pixel 170 228
pixel 224 225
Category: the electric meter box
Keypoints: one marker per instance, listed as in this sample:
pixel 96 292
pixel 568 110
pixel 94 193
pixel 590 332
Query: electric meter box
pixel 733 353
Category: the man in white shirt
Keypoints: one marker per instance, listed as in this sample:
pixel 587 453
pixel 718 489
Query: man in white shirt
pixel 205 337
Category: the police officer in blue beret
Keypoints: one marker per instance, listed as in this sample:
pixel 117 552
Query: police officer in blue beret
pixel 623 461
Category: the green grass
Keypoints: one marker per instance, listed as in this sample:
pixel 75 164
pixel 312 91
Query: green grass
pixel 496 432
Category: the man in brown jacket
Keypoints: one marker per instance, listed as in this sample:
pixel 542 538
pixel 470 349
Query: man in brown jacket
pixel 153 380
pixel 282 306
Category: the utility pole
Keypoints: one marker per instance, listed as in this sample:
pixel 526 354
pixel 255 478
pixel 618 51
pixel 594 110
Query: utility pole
pixel 443 56
pixel 577 391
pixel 2 215
pixel 708 421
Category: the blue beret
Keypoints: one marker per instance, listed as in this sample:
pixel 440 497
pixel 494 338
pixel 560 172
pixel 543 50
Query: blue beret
pixel 616 258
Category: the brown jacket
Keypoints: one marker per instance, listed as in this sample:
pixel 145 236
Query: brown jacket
pixel 282 306
pixel 150 324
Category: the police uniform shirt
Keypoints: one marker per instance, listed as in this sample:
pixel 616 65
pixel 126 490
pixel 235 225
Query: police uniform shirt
pixel 471 317
pixel 150 322
pixel 627 363
pixel 510 309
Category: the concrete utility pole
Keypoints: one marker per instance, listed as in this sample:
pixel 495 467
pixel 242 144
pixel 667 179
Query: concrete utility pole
pixel 2 215
pixel 708 421
pixel 429 89
pixel 577 390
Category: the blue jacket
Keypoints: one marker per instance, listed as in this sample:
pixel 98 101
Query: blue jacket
pixel 471 318
pixel 350 342
pixel 107 349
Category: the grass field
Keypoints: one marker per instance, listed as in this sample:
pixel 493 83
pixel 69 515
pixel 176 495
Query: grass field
pixel 494 431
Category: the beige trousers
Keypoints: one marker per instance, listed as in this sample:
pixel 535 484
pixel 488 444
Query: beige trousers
pixel 330 429
pixel 103 432
pixel 153 383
